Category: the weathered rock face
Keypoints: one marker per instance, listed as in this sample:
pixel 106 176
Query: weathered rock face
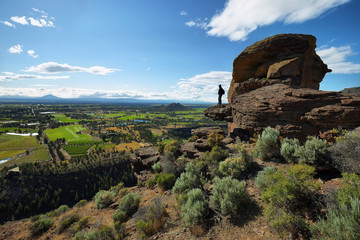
pixel 144 158
pixel 294 112
pixel 286 58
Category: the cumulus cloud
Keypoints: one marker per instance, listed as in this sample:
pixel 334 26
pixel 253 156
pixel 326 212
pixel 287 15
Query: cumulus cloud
pixel 9 76
pixel 31 53
pixel 336 59
pixel 16 49
pixel 54 67
pixel 21 20
pixel 43 20
pixel 204 86
pixel 241 17
pixel 7 23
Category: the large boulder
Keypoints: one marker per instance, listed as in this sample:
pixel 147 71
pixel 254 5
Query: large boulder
pixel 294 112
pixel 285 58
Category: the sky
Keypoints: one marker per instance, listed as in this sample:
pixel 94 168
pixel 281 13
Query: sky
pixel 160 49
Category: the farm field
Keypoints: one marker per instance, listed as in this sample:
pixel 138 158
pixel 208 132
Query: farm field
pixel 34 156
pixel 63 118
pixel 67 132
pixel 10 142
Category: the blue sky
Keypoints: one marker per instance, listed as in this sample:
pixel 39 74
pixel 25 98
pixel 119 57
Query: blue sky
pixel 160 49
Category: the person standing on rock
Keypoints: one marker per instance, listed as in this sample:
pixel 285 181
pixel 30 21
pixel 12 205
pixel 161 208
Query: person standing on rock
pixel 220 93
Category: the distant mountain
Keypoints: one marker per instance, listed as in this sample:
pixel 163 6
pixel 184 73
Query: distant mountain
pixel 172 107
pixel 351 91
pixel 49 97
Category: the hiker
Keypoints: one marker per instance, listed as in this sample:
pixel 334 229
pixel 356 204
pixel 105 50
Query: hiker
pixel 220 93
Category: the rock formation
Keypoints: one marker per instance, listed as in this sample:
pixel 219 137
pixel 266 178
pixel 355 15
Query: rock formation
pixel 275 83
pixel 294 112
pixel 286 58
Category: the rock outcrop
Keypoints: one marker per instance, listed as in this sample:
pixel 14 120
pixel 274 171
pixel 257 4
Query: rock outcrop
pixel 294 112
pixel 144 158
pixel 285 58
pixel 275 83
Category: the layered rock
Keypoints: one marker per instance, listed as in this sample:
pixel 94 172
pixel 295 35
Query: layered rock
pixel 294 112
pixel 286 58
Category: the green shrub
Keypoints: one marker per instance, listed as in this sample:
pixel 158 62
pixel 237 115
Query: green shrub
pixel 120 229
pixel 238 164
pixel 104 199
pixel 284 194
pixel 161 146
pixel 267 144
pixel 41 225
pixel 151 218
pixel 173 147
pixel 210 161
pixel 156 167
pixel 81 224
pixel 216 155
pixel 350 188
pixel 235 166
pixel 130 203
pixel 229 194
pixel 164 180
pixel 105 233
pixel 150 183
pixel 195 208
pixel 262 180
pixel 215 138
pixel 345 153
pixel 190 179
pixel 340 223
pixel 288 147
pixel 120 216
pixel 117 188
pixel 66 221
pixel 313 150
pixel 62 209
pixel 81 203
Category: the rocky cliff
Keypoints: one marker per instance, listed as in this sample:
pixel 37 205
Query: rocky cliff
pixel 285 58
pixel 275 83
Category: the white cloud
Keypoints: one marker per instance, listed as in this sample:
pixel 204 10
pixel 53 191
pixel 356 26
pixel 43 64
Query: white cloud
pixel 21 20
pixel 200 23
pixel 43 20
pixel 54 67
pixel 204 86
pixel 40 22
pixel 9 76
pixel 335 58
pixel 31 53
pixel 7 23
pixel 183 13
pixel 241 17
pixel 15 49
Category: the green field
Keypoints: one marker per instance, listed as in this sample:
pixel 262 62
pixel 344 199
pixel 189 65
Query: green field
pixel 63 118
pixel 10 142
pixel 10 153
pixel 77 150
pixel 34 156
pixel 15 129
pixel 67 132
